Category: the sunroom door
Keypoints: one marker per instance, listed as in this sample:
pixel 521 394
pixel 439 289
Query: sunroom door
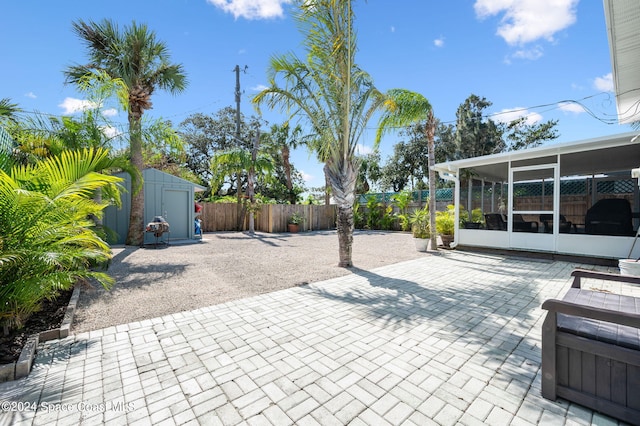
pixel 534 194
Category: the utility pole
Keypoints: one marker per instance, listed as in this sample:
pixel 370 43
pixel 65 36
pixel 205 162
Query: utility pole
pixel 238 95
pixel 239 209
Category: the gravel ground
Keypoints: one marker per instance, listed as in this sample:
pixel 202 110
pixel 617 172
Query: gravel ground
pixel 226 266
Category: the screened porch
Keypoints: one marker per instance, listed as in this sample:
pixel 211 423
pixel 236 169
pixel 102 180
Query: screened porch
pixel 571 198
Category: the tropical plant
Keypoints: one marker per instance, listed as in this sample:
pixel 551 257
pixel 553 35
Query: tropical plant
pixel 285 139
pixel 419 221
pixel 142 63
pixel 47 237
pixel 8 110
pixel 388 218
pixel 475 216
pixel 296 219
pixel 402 201
pixel 445 221
pixel 238 161
pixel 374 212
pixel 406 107
pixel 334 95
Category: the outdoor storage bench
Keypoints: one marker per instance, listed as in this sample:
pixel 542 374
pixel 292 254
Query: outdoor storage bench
pixel 591 348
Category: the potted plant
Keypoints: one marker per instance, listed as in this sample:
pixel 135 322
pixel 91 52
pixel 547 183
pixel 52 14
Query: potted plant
pixel 419 221
pixel 445 225
pixel 475 220
pixel 294 222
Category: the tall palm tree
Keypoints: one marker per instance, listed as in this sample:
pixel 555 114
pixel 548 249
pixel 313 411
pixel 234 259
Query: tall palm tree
pixel 404 108
pixel 47 241
pixel 135 56
pixel 335 96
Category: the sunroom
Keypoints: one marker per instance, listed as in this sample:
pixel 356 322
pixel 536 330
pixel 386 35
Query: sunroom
pixel 575 198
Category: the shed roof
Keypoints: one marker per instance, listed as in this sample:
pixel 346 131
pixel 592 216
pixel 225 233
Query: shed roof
pixel 148 174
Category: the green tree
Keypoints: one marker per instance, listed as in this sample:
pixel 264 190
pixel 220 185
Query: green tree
pixel 334 95
pixel 239 161
pixel 477 135
pixel 284 138
pixel 205 135
pixel 47 241
pixel 520 135
pixel 369 172
pixel 409 163
pixel 142 63
pixel 408 107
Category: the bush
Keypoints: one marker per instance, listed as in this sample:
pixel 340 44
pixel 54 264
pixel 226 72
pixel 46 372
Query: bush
pixel 48 241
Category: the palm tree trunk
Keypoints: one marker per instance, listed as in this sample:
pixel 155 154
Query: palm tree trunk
pixel 344 224
pixel 327 185
pixel 250 182
pixel 286 165
pixel 343 182
pixel 135 234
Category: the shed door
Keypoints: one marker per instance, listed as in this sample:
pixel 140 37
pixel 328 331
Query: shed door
pixel 176 212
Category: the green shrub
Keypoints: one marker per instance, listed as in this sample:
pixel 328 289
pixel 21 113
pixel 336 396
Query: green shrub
pixel 47 239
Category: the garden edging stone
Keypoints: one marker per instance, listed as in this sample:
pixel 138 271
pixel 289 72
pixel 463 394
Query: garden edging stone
pixel 22 367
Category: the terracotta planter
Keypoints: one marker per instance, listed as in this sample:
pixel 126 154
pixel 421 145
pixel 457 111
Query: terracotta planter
pixel 446 240
pixel 293 227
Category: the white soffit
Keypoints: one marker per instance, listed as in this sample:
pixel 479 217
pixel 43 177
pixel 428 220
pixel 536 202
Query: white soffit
pixel 623 29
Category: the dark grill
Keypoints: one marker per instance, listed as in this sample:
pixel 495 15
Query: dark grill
pixel 158 227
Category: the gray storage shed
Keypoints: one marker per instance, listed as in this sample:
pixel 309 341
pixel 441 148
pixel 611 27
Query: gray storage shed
pixel 164 195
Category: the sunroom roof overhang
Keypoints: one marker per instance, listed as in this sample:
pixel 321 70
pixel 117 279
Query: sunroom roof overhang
pixel 592 156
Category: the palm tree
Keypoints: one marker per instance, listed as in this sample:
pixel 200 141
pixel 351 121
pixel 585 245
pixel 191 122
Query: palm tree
pixel 237 161
pixel 285 139
pixel 404 108
pixel 47 241
pixel 8 110
pixel 135 56
pixel 335 96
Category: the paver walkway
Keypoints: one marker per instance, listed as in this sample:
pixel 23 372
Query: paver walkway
pixel 447 339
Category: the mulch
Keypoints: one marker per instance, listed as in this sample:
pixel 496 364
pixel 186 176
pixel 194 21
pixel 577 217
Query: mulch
pixel 50 316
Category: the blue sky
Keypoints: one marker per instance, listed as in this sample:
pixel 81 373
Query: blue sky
pixel 528 57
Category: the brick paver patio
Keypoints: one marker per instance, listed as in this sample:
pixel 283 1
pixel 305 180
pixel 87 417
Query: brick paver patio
pixel 446 339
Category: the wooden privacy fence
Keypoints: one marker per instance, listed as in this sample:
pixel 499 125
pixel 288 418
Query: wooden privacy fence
pixel 271 218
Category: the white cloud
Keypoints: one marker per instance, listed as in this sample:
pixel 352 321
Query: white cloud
pixel 111 132
pixel 604 83
pixel 531 54
pixel 571 107
pixel 110 112
pixel 439 42
pixel 306 176
pixel 259 88
pixel 508 115
pixel 252 9
pixel 363 149
pixel 30 95
pixel 72 105
pixel 524 21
